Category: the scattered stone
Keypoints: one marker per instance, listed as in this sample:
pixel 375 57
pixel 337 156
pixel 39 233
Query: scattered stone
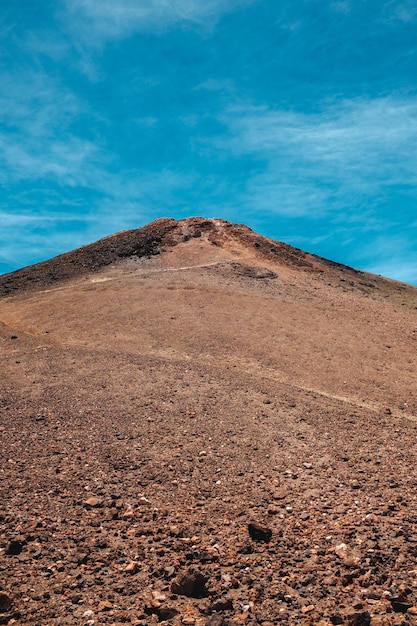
pixel 88 614
pixel 245 548
pixel 279 494
pixel 400 605
pixel 5 602
pixel 129 512
pixel 273 509
pixel 358 619
pixel 222 604
pixel 169 571
pixel 144 501
pixel 76 598
pixel 259 533
pixel 158 596
pixel 347 555
pixel 93 502
pixel 226 580
pixel 132 567
pixel 14 548
pixel 311 494
pixel 104 605
pixel 166 613
pixel 191 583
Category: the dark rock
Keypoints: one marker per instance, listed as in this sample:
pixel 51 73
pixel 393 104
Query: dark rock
pixel 14 548
pixel 8 619
pixel 191 583
pixel 400 606
pixel 358 619
pixel 167 612
pixel 76 598
pixel 259 533
pixel 164 613
pixel 5 602
pixel 81 558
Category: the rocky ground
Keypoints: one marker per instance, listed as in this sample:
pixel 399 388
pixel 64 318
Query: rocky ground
pixel 199 437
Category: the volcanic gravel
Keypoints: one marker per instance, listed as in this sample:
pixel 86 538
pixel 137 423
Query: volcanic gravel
pixel 208 436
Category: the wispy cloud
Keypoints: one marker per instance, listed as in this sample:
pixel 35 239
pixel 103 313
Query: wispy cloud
pixel 313 163
pixel 37 236
pixel 391 255
pixel 96 21
pixel 61 189
pixel 36 114
pixel 70 218
pixel 400 10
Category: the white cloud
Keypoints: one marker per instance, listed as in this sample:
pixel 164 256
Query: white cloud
pixel 396 266
pixel 96 21
pixel 46 168
pixel 341 6
pixel 312 162
pixel 399 10
pixel 35 115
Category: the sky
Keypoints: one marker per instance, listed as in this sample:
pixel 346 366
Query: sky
pixel 295 117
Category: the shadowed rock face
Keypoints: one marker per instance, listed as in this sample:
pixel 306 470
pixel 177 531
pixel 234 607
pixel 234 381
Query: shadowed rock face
pixel 200 425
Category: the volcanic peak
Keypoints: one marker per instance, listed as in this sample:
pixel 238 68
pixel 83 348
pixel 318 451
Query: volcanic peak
pixel 148 241
pixel 204 241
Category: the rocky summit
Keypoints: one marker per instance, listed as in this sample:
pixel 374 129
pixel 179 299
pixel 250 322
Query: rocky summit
pixel 200 425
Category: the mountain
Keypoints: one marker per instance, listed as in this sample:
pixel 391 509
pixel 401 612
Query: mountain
pixel 201 425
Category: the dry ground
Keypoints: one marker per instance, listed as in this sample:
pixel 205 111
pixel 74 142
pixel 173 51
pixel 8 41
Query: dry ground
pixel 161 391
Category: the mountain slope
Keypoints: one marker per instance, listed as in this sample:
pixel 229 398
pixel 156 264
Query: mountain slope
pixel 163 388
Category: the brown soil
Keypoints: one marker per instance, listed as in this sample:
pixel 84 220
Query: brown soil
pixel 203 426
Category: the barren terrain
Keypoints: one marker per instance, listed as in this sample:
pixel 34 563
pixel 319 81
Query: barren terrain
pixel 203 426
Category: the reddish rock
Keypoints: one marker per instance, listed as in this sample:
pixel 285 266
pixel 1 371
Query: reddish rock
pixel 191 583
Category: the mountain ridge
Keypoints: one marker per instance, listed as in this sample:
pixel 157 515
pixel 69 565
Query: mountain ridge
pixel 153 238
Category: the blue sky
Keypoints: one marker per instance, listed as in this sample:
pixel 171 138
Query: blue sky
pixel 296 117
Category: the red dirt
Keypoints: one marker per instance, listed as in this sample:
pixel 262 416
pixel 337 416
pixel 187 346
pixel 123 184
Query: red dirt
pixel 163 389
